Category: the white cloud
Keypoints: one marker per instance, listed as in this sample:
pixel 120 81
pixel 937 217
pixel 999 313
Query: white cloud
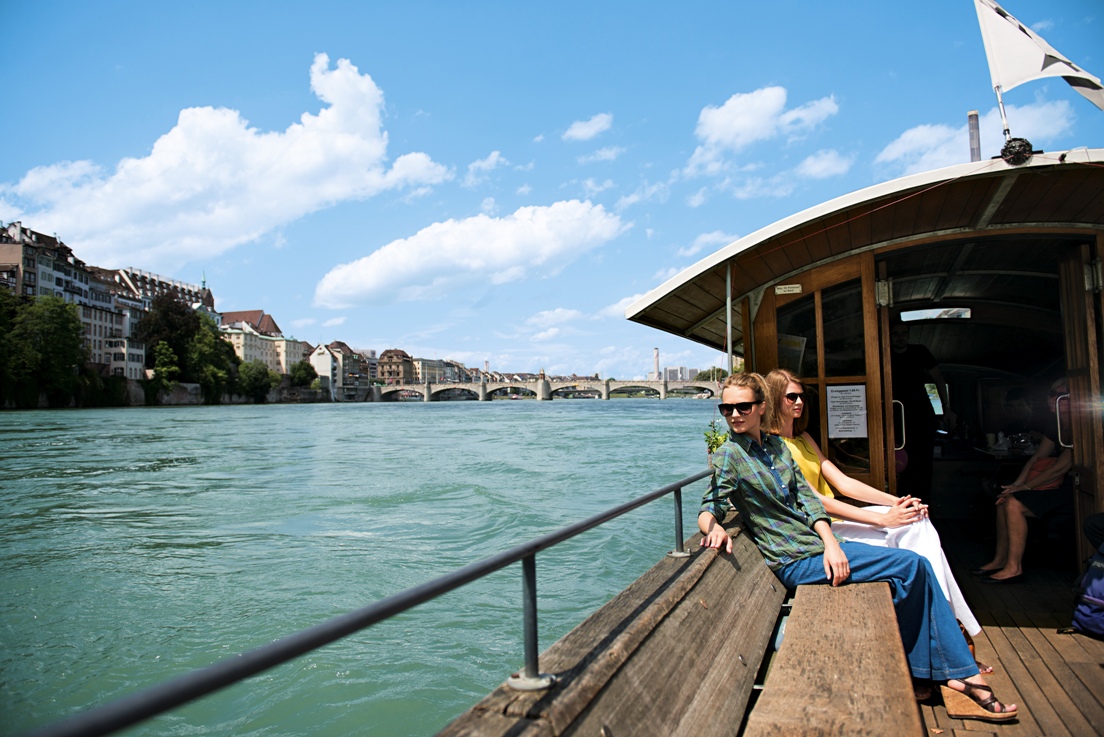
pixel 546 335
pixel 710 239
pixel 333 322
pixel 617 309
pixel 746 118
pixel 591 187
pixel 584 130
pixel 303 322
pixel 558 316
pixel 646 192
pixel 609 153
pixel 524 190
pixel 477 249
pixel 477 170
pixel 699 198
pixel 1043 25
pixel 664 274
pixel 927 147
pixel 488 206
pixel 780 185
pixel 823 164
pixel 213 182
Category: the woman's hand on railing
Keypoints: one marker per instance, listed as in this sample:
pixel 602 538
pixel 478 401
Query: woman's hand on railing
pixel 717 538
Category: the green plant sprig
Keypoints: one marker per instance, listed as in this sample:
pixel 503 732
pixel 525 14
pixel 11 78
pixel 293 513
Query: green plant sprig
pixel 715 436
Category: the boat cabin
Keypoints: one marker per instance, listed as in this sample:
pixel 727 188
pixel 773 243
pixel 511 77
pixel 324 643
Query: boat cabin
pixel 995 268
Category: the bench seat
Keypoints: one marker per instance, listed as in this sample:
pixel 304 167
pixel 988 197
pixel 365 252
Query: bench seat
pixel 841 669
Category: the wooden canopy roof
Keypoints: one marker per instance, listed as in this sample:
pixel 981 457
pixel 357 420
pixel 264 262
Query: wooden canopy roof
pixel 1025 208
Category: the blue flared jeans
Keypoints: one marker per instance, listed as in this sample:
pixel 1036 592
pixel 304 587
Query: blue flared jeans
pixel 933 642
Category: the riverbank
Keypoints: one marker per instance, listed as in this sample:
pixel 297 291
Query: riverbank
pixel 132 393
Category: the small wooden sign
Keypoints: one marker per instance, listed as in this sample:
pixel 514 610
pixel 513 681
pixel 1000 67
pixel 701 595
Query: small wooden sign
pixel 788 289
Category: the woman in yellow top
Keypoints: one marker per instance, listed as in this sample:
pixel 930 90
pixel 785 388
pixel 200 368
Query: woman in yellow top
pixel 887 521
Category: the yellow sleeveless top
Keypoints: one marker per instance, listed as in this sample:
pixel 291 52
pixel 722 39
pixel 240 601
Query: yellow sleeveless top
pixel 809 464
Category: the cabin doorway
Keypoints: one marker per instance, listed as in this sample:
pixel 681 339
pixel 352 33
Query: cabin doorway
pixel 1001 318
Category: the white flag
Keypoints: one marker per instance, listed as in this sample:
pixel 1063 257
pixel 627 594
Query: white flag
pixel 1017 54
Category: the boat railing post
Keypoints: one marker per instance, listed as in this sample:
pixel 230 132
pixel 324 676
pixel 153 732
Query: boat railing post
pixel 530 679
pixel 680 545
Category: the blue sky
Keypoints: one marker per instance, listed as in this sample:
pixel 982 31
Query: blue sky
pixel 486 181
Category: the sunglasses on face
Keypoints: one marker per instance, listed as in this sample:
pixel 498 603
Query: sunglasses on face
pixel 794 396
pixel 740 408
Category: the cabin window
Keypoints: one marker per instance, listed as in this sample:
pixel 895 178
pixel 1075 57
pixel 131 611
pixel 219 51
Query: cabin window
pixel 797 336
pixel 844 347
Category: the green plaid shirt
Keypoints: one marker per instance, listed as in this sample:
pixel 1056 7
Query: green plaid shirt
pixel 777 507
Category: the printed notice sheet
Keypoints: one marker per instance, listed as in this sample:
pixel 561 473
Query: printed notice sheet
pixel 847 411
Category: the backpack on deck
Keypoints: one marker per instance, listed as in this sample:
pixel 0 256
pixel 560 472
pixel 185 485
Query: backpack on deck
pixel 1088 616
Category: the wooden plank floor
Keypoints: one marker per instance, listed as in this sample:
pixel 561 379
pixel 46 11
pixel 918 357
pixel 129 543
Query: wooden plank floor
pixel 1056 680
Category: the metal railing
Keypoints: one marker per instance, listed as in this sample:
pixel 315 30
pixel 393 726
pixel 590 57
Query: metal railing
pixel 143 705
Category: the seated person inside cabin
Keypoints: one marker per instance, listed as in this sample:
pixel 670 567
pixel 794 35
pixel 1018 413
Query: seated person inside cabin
pixel 888 521
pixel 1040 490
pixel 1018 414
pixel 757 477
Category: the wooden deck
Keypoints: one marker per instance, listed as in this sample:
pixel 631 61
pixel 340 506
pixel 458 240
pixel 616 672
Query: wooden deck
pixel 1056 680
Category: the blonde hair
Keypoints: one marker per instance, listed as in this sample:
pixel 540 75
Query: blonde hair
pixel 777 381
pixel 762 392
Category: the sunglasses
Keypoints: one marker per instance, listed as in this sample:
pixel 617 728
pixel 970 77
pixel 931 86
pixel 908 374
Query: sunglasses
pixel 740 408
pixel 794 396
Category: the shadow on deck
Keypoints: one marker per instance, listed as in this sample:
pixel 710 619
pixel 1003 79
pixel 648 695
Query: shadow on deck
pixel 1056 680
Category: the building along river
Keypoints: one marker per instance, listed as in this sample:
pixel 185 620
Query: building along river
pixel 139 544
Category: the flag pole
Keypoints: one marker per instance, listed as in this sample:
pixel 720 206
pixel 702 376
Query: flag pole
pixel 1004 118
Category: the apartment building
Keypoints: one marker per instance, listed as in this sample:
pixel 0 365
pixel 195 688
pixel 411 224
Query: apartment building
pixel 369 363
pixel 256 337
pixel 396 367
pixel 429 370
pixel 340 364
pixel 35 265
pixel 679 373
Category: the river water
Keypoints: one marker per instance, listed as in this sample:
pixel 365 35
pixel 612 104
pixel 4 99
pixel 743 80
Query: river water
pixel 139 544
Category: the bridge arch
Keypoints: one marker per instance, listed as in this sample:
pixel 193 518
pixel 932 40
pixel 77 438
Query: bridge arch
pixel 453 391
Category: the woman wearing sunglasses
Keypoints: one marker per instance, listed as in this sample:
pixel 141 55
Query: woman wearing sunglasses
pixel 889 522
pixel 756 476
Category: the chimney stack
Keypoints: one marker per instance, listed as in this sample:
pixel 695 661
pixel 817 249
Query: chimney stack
pixel 975 136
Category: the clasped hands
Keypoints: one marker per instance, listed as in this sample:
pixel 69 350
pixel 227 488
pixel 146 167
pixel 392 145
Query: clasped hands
pixel 905 511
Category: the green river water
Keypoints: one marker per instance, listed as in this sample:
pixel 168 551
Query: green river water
pixel 139 544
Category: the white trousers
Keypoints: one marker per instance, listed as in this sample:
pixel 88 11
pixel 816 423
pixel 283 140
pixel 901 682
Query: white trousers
pixel 921 538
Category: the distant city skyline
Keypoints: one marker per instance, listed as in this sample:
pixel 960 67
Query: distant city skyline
pixel 487 182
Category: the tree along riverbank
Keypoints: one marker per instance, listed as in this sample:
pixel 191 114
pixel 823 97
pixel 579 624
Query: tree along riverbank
pixel 117 391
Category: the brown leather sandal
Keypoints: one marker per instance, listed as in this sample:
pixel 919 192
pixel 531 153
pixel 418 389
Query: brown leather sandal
pixel 970 704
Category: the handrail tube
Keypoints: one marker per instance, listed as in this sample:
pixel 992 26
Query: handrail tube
pixel 679 542
pixel 903 438
pixel 1058 418
pixel 155 700
pixel 529 621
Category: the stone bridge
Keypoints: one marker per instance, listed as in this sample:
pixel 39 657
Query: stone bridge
pixel 544 389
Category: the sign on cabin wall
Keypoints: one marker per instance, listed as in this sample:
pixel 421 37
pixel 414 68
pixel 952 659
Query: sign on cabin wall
pixel 847 411
pixel 788 289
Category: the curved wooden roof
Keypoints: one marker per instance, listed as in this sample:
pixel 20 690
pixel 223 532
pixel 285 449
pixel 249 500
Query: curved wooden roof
pixel 1054 195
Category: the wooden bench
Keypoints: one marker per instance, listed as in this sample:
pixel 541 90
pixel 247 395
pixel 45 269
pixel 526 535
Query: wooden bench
pixel 676 653
pixel 841 669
